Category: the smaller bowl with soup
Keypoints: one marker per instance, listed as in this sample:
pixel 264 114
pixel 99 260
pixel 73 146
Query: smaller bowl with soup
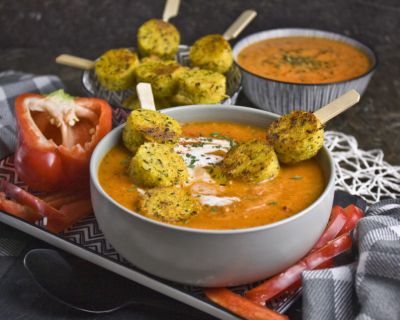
pixel 290 69
pixel 243 231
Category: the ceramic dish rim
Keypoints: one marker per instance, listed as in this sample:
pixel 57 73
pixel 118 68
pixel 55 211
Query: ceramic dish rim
pixel 95 182
pixel 264 33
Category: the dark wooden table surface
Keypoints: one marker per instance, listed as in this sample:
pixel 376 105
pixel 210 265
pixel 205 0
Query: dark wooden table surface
pixel 33 33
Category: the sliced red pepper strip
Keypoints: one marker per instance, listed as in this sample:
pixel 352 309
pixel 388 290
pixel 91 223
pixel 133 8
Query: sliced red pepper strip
pixel 281 282
pixel 241 306
pixel 354 214
pixel 56 137
pixel 25 198
pixel 23 203
pixel 337 222
pixel 68 198
pixel 297 284
pixel 73 212
pixel 329 251
pixel 17 209
pixel 49 197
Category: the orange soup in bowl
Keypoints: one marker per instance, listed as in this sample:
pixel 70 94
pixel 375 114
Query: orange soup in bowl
pixel 307 60
pixel 225 205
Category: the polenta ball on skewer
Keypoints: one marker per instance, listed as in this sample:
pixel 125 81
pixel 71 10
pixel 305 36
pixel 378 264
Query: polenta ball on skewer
pixel 253 161
pixel 162 75
pixel 170 204
pixel 198 86
pixel 299 135
pixel 115 69
pixel 157 165
pixel 132 102
pixel 159 38
pixel 212 52
pixel 296 136
pixel 145 125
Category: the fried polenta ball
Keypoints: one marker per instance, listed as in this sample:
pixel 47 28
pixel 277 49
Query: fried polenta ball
pixel 252 161
pixel 296 136
pixel 132 102
pixel 162 75
pixel 115 69
pixel 198 86
pixel 212 52
pixel 159 38
pixel 152 58
pixel 157 165
pixel 149 126
pixel 170 204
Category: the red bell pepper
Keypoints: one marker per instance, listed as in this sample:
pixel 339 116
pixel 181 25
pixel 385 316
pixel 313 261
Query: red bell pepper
pixel 281 282
pixel 56 137
pixel 62 210
pixel 353 215
pixel 336 223
pixel 241 306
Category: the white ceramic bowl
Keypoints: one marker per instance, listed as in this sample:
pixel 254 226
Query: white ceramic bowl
pixel 210 258
pixel 282 97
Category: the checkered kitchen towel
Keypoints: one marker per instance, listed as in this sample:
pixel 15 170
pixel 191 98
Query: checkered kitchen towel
pixel 12 84
pixel 368 289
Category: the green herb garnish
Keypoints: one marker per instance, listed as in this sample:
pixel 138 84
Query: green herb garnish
pixel 215 134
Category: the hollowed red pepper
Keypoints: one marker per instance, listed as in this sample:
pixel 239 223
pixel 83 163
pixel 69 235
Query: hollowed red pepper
pixel 56 137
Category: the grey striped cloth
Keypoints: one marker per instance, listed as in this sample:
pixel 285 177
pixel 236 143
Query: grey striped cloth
pixel 368 289
pixel 12 84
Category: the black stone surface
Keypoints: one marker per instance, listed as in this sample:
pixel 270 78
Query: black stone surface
pixel 34 32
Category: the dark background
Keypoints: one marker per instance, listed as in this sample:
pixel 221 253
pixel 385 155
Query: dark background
pixel 33 33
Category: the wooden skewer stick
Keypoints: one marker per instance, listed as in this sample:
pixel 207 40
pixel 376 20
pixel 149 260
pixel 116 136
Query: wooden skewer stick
pixel 145 95
pixel 75 62
pixel 171 9
pixel 239 24
pixel 337 106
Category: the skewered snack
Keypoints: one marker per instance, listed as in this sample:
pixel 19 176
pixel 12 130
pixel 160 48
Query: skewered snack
pixel 253 161
pixel 157 37
pixel 157 165
pixel 148 125
pixel 212 52
pixel 198 86
pixel 115 69
pixel 162 75
pixel 132 102
pixel 296 136
pixel 169 204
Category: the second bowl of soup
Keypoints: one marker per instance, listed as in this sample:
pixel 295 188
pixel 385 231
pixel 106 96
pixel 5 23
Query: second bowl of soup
pixel 288 69
pixel 243 231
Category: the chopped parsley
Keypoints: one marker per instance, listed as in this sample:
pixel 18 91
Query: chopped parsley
pixel 215 134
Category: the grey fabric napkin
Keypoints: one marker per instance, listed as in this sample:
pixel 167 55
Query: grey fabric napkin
pixel 368 289
pixel 12 84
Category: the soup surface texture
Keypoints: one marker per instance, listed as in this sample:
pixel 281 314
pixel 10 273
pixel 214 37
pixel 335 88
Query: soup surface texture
pixel 307 60
pixel 231 205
